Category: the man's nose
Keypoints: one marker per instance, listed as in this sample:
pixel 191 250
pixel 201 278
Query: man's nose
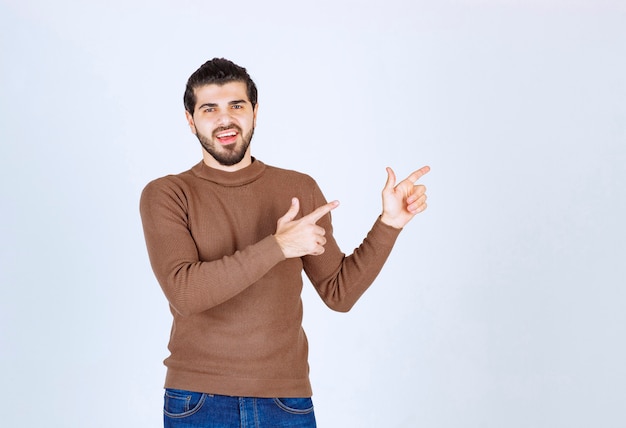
pixel 224 118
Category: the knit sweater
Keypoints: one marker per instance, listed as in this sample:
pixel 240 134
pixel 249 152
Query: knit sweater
pixel 235 299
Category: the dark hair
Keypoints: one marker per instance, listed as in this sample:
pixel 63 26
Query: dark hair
pixel 217 71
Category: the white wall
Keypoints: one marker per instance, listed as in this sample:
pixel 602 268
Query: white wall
pixel 501 306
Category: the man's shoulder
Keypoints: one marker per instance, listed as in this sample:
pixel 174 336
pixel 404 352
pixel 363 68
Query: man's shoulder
pixel 288 174
pixel 169 181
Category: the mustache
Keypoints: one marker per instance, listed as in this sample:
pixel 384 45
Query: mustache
pixel 227 128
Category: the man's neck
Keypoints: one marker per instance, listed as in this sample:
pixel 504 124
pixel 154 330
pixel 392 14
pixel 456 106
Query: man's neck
pixel 212 163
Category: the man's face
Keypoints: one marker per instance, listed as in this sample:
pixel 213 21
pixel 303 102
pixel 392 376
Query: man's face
pixel 224 121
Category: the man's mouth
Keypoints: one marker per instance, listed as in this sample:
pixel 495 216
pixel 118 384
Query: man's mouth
pixel 227 137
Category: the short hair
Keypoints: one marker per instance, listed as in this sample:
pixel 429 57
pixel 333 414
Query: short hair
pixel 218 71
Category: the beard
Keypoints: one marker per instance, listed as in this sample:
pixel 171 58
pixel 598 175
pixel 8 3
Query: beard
pixel 226 155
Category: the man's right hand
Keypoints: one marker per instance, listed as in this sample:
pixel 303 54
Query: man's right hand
pixel 302 237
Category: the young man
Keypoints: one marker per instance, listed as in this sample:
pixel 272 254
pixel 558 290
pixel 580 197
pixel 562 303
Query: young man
pixel 228 240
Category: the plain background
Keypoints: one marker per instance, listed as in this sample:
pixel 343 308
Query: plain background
pixel 503 305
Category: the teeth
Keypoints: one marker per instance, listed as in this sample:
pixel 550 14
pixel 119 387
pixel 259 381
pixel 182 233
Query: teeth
pixel 227 134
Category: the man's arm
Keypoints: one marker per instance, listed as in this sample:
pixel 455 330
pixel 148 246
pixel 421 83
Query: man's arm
pixel 191 285
pixel 341 280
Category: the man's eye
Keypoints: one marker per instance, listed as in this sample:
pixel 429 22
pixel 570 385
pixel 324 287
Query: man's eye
pixel 237 106
pixel 209 110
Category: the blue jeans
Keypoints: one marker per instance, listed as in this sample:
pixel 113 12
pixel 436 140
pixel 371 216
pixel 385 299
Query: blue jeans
pixel 186 409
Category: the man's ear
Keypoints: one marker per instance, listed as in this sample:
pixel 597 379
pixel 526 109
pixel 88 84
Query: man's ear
pixel 256 109
pixel 190 121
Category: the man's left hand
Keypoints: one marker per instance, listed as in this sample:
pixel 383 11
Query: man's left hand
pixel 403 201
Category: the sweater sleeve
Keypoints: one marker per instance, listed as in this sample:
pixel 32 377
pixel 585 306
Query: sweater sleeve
pixel 191 285
pixel 340 280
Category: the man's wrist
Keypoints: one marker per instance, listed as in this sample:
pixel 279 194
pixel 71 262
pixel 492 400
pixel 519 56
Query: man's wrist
pixel 390 221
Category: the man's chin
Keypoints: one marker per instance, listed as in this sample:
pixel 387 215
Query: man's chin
pixel 229 160
pixel 225 154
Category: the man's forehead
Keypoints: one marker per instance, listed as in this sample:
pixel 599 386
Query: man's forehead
pixel 223 92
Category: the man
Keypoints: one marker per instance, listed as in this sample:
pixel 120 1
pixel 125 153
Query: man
pixel 228 240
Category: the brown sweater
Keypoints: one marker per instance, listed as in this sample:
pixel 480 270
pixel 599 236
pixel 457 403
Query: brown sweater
pixel 235 299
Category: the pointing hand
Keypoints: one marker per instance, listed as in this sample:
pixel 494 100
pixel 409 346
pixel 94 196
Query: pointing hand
pixel 403 201
pixel 302 237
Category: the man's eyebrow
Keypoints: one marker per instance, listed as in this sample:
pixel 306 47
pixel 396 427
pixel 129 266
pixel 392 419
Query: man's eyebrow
pixel 230 103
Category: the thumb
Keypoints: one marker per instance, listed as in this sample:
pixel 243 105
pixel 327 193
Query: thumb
pixel 391 180
pixel 291 212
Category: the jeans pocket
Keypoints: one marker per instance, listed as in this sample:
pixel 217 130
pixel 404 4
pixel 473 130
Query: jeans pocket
pixel 297 406
pixel 179 403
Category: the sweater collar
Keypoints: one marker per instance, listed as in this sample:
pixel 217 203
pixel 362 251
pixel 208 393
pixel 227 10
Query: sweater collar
pixel 230 179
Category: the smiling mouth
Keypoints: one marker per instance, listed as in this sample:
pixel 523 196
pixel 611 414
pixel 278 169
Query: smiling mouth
pixel 227 137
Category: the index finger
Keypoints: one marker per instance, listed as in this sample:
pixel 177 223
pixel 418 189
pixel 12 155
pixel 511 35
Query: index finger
pixel 321 211
pixel 416 175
